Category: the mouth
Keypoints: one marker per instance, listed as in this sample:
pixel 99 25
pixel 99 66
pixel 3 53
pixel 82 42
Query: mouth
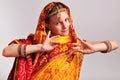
pixel 64 31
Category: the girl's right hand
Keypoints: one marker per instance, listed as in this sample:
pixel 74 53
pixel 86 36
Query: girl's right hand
pixel 49 44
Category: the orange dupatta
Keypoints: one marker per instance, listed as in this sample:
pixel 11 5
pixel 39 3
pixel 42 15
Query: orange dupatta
pixel 59 64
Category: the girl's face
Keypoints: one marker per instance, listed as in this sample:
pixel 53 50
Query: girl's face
pixel 59 24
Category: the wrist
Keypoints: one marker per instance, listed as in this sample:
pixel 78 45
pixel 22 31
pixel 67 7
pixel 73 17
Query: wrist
pixel 22 50
pixel 108 46
pixel 40 47
pixel 99 47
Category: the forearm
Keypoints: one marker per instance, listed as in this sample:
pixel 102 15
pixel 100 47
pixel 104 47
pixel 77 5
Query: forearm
pixel 12 50
pixel 101 46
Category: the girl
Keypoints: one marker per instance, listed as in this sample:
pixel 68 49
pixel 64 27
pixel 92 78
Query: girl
pixel 54 52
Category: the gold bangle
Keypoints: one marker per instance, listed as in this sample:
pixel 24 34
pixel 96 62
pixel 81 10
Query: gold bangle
pixel 19 50
pixel 23 50
pixel 108 45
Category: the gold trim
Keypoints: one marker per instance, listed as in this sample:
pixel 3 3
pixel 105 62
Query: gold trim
pixel 57 11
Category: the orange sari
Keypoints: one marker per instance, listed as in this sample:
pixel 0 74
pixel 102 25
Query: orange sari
pixel 59 64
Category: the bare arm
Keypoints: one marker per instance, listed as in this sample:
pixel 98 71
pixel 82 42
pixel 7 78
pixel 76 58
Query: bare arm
pixel 100 46
pixel 88 47
pixel 12 50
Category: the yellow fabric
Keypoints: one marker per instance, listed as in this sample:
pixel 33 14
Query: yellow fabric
pixel 59 64
pixel 63 67
pixel 63 39
pixel 59 68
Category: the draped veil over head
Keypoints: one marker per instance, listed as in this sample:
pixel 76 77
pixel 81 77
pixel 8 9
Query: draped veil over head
pixel 59 64
pixel 41 27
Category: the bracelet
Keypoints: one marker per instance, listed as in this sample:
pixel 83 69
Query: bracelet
pixel 22 50
pixel 19 50
pixel 109 46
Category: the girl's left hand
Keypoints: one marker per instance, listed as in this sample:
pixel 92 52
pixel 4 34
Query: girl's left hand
pixel 85 47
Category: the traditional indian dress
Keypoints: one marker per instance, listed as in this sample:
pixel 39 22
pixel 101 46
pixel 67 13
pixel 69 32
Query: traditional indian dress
pixel 59 64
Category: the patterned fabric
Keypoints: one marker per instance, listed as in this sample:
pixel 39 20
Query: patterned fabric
pixel 59 64
pixel 22 67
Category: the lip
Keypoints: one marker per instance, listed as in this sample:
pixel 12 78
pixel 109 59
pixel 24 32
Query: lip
pixel 64 30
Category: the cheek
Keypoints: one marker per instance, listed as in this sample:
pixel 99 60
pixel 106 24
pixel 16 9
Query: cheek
pixel 68 24
pixel 58 28
pixel 55 29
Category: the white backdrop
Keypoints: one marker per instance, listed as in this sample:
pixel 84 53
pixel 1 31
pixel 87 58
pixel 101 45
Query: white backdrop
pixel 93 20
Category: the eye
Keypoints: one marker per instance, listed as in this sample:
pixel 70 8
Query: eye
pixel 57 23
pixel 67 20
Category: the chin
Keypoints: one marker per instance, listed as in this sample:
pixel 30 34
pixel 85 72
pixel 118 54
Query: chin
pixel 65 34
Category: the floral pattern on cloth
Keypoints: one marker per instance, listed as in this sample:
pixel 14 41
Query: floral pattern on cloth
pixel 59 64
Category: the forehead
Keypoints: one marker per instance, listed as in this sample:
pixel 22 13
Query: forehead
pixel 59 16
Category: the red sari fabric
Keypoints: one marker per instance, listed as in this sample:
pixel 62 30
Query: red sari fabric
pixel 60 63
pixel 22 67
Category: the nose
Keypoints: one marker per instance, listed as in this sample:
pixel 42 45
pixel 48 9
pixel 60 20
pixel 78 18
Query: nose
pixel 64 25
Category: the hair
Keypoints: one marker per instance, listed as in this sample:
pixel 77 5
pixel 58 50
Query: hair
pixel 59 7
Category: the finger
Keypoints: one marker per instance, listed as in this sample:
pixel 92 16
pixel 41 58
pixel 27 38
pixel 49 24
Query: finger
pixel 82 51
pixel 77 48
pixel 55 36
pixel 49 32
pixel 83 41
pixel 68 51
pixel 54 42
pixel 76 44
pixel 54 46
pixel 87 44
pixel 86 51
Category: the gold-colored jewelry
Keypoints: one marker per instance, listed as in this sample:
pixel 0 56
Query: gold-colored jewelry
pixel 22 50
pixel 57 11
pixel 19 50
